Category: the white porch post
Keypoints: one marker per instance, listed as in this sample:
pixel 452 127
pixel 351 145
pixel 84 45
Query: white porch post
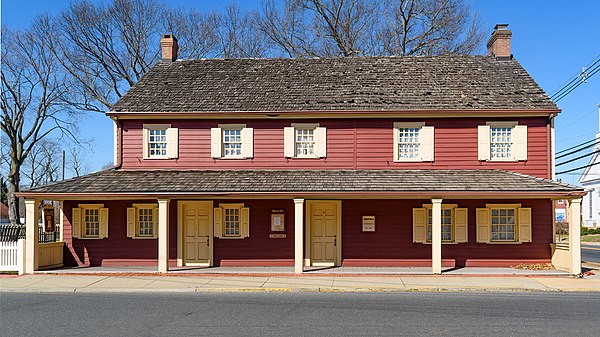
pixel 31 236
pixel 436 236
pixel 575 235
pixel 61 221
pixel 163 235
pixel 298 236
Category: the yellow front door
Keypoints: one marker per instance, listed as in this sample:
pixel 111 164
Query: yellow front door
pixel 324 236
pixel 197 231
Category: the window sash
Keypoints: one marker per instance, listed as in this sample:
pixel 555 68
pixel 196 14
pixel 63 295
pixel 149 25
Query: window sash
pixel 91 222
pixel 232 143
pixel 232 223
pixel 157 142
pixel 305 142
pixel 408 143
pixel 501 142
pixel 145 223
pixel 503 224
pixel 446 225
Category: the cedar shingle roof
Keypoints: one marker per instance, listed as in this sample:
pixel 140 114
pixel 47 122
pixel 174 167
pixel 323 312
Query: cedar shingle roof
pixel 361 83
pixel 281 181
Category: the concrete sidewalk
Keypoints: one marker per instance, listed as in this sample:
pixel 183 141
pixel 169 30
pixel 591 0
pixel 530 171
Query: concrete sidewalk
pixel 324 283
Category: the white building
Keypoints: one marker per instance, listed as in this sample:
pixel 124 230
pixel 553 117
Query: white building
pixel 590 180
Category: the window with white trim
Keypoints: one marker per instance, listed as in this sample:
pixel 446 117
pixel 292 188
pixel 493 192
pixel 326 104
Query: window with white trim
pixel 502 141
pixel 160 141
pixel 454 224
pixel 503 223
pixel 305 140
pixel 89 221
pixel 232 141
pixel 413 141
pixel 231 221
pixel 142 221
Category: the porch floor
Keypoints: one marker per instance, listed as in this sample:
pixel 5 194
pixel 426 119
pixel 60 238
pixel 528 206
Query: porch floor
pixel 307 271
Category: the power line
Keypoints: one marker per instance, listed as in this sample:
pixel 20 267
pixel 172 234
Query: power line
pixel 574 159
pixel 578 145
pixel 581 77
pixel 578 168
pixel 575 151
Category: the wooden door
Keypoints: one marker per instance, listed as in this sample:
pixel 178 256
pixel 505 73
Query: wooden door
pixel 197 232
pixel 324 237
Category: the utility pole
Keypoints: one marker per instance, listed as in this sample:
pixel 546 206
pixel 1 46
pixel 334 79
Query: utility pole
pixel 63 164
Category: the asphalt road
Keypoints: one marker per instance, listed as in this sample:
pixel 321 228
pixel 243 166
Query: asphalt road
pixel 299 314
pixel 590 253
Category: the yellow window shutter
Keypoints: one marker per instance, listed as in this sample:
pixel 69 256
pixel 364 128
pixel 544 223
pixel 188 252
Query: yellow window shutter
pixel 130 222
pixel 483 141
pixel 103 215
pixel 245 222
pixel 155 222
pixel 146 153
pixel 173 142
pixel 396 135
pixel 519 146
pixel 461 225
pixel 483 224
pixel 215 143
pixel 288 142
pixel 218 222
pixel 248 142
pixel 321 142
pixel 76 223
pixel 524 224
pixel 426 148
pixel 419 225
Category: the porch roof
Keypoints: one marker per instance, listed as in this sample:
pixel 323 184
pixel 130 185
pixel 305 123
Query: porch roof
pixel 114 182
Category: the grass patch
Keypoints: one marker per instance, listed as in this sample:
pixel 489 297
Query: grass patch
pixel 591 238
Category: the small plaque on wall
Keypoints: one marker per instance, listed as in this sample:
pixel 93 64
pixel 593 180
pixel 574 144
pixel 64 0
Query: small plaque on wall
pixel 277 221
pixel 277 236
pixel 368 223
pixel 49 221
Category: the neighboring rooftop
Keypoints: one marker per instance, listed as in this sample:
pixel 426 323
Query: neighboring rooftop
pixel 335 84
pixel 303 181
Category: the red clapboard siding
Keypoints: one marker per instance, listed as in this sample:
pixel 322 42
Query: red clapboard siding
pixel 351 144
pixel 393 236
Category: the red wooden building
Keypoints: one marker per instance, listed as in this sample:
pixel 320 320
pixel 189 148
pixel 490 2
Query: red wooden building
pixel 377 161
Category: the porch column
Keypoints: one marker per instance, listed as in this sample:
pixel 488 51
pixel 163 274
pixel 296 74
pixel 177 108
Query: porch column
pixel 31 235
pixel 436 236
pixel 575 235
pixel 61 221
pixel 298 236
pixel 163 235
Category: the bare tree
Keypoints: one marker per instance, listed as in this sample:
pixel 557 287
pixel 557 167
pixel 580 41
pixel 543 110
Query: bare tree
pixel 77 162
pixel 429 27
pixel 43 165
pixel 238 37
pixel 33 92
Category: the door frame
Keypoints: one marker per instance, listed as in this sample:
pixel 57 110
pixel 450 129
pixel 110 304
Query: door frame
pixel 180 233
pixel 308 233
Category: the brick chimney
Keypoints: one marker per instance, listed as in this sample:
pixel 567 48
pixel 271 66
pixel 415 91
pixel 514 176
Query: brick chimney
pixel 169 46
pixel 499 44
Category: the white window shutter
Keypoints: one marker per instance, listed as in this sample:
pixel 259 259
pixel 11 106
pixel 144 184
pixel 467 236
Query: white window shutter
pixel 483 224
pixel 76 223
pixel 155 221
pixel 396 135
pixel 248 142
pixel 218 222
pixel 321 142
pixel 216 144
pixel 245 222
pixel 173 142
pixel 130 222
pixel 524 224
pixel 288 142
pixel 426 148
pixel 146 152
pixel 419 225
pixel 483 141
pixel 103 218
pixel 519 147
pixel 461 225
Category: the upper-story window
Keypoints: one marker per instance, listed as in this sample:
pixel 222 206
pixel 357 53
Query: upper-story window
pixel 305 141
pixel 160 141
pixel 502 141
pixel 232 141
pixel 413 142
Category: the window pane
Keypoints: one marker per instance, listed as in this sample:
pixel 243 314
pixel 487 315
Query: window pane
pixel 232 222
pixel 503 228
pixel 408 143
pixel 91 222
pixel 145 222
pixel 232 143
pixel 157 142
pixel 305 142
pixel 501 143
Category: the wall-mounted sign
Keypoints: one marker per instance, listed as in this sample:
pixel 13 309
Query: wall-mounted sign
pixel 277 221
pixel 277 236
pixel 368 223
pixel 49 224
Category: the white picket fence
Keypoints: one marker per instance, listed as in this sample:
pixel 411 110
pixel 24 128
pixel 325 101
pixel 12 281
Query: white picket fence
pixel 12 256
